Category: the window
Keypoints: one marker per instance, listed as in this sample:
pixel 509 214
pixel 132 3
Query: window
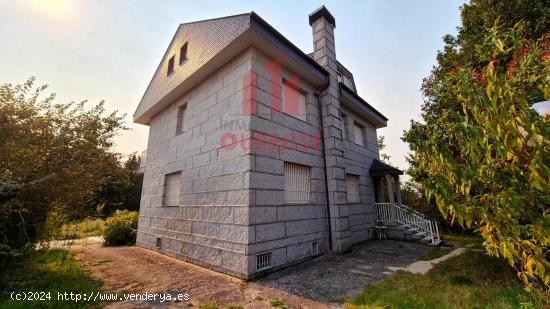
pixel 181 119
pixel 358 134
pixel 183 53
pixel 297 183
pixel 263 261
pixel 352 183
pixel 314 248
pixel 345 124
pixel 340 77
pixel 159 243
pixel 294 101
pixel 348 82
pixel 170 66
pixel 172 184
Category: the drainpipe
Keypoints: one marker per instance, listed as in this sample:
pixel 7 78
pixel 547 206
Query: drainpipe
pixel 322 130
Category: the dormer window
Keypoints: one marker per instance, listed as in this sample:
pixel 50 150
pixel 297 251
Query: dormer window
pixel 183 53
pixel 170 66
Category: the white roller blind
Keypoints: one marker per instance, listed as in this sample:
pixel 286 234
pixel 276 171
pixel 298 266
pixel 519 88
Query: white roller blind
pixel 297 183
pixel 172 184
pixel 358 132
pixel 294 102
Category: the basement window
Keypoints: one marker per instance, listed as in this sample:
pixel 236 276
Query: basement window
pixel 170 66
pixel 314 248
pixel 183 53
pixel 263 261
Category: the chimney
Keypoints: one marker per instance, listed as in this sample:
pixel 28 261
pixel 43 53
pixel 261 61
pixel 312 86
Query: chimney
pixel 324 53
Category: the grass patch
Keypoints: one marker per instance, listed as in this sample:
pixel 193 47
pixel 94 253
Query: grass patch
pixel 87 228
pixel 277 303
pixel 47 271
pixel 471 280
pixel 434 253
pixel 473 242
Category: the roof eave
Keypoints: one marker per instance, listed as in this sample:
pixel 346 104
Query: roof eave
pixel 353 101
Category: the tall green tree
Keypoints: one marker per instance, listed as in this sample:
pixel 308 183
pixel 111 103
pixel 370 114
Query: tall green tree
pixel 52 157
pixel 482 152
pixel 122 190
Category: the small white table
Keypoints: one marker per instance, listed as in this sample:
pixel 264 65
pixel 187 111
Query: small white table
pixel 381 232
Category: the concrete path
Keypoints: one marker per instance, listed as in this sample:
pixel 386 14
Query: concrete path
pixel 423 267
pixel 71 243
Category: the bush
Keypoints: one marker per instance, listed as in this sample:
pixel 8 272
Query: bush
pixel 121 228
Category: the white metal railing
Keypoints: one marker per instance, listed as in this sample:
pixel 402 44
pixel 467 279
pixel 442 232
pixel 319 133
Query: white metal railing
pixel 407 216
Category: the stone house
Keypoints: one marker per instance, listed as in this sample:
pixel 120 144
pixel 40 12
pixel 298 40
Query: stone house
pixel 259 155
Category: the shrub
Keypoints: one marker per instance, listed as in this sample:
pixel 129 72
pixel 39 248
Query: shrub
pixel 121 228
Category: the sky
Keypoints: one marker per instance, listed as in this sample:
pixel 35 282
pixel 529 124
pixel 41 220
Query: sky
pixel 109 49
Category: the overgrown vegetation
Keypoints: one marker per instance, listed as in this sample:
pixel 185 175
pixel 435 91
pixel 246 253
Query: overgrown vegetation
pixel 57 166
pixel 49 271
pixel 86 228
pixel 121 228
pixel 472 280
pixel 482 154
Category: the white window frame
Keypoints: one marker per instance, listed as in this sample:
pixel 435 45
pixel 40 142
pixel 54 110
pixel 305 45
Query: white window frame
pixel 302 101
pixel 297 183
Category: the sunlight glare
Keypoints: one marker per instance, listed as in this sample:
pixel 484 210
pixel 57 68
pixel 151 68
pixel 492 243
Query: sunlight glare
pixel 57 7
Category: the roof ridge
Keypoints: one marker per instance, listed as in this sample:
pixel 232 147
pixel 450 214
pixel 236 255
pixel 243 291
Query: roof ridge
pixel 216 18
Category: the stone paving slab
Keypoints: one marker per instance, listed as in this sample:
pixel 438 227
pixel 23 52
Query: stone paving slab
pixel 334 278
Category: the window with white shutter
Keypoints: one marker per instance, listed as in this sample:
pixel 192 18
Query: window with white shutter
pixel 294 102
pixel 352 182
pixel 297 183
pixel 172 184
pixel 358 134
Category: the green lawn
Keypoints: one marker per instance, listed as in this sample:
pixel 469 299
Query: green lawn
pixel 47 271
pixel 472 280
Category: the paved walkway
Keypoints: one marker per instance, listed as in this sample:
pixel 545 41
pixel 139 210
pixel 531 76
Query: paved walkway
pixel 334 278
pixel 320 283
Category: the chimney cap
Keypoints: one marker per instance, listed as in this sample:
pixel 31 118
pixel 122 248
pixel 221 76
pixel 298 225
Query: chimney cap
pixel 322 12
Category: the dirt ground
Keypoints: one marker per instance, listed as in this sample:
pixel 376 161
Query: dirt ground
pixel 324 282
pixel 137 270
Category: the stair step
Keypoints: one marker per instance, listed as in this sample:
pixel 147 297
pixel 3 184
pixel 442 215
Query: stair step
pixel 419 235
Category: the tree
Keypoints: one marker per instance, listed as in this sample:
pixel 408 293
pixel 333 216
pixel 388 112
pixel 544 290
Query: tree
pixel 381 146
pixel 52 157
pixel 446 111
pixel 122 189
pixel 473 158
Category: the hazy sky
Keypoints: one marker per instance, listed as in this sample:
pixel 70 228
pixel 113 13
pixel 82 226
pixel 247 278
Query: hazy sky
pixel 109 49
